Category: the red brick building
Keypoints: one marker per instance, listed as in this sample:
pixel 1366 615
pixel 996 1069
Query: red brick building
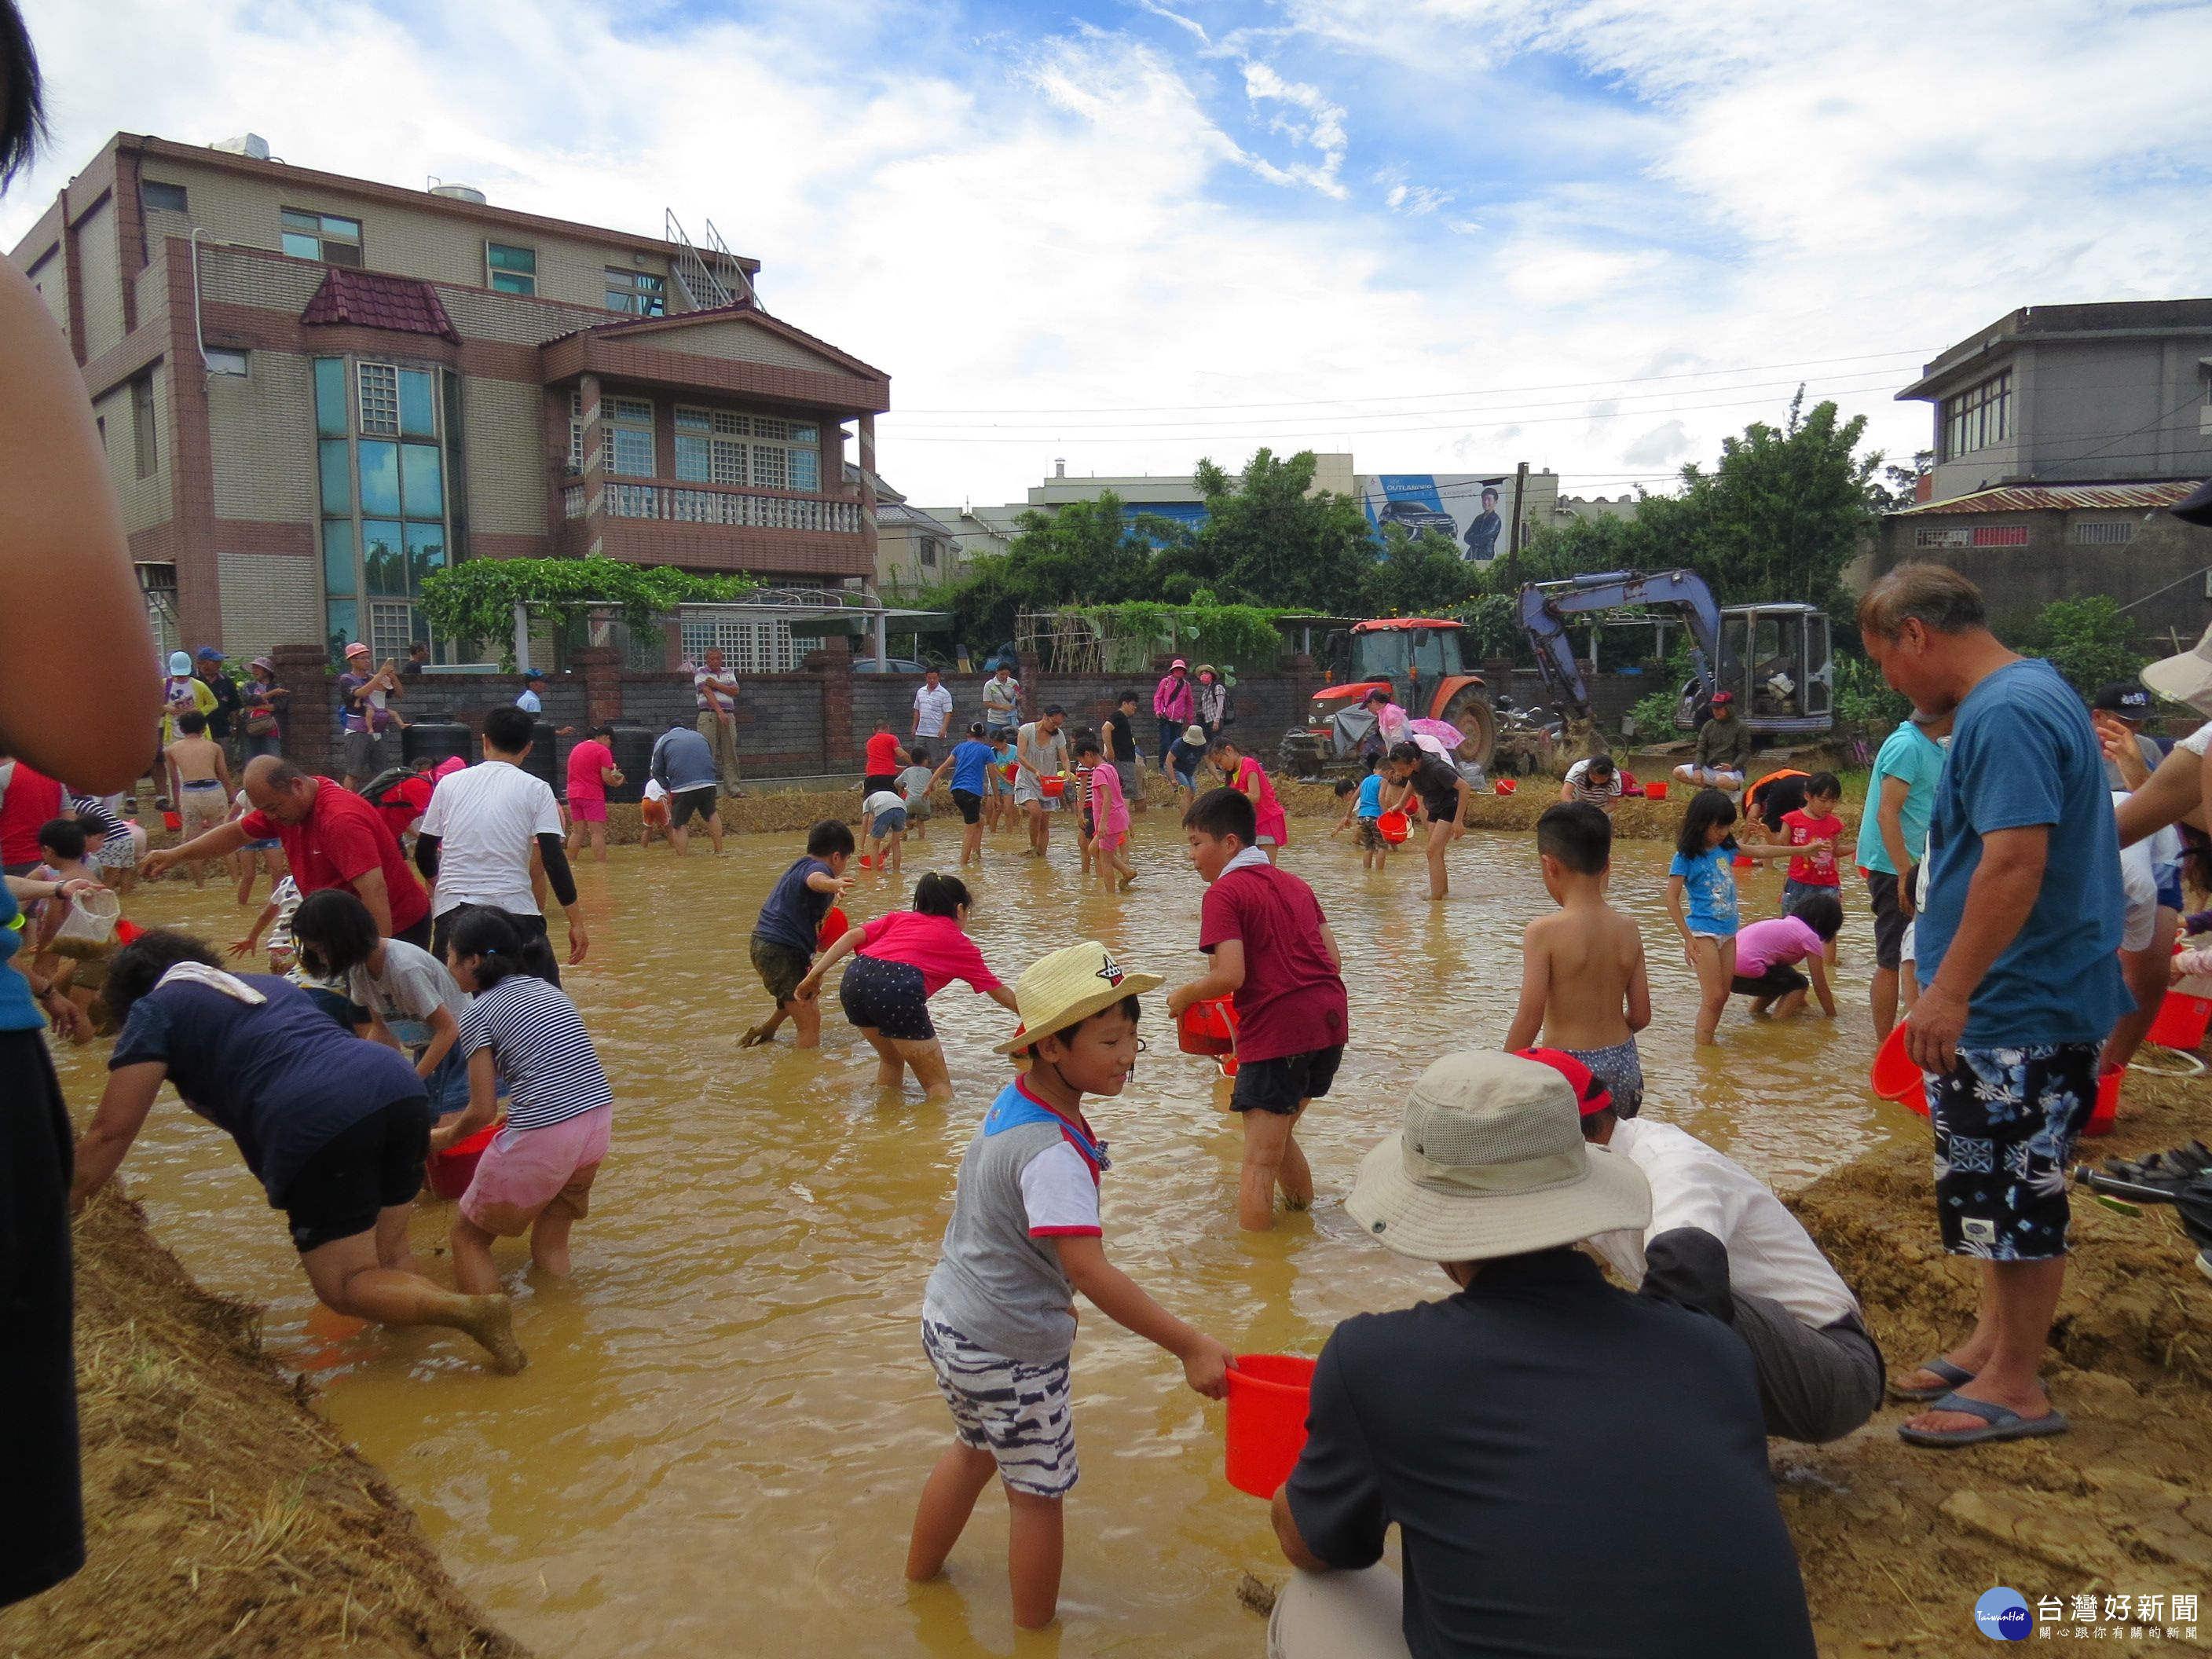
pixel 316 390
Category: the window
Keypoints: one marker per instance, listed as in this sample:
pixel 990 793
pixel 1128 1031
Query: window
pixel 382 470
pixel 512 269
pixel 141 426
pixel 1977 417
pixel 929 552
pixel 322 236
pixel 747 648
pixel 707 450
pixel 220 361
pixel 629 425
pixel 161 198
pixel 2108 533
pixel 640 292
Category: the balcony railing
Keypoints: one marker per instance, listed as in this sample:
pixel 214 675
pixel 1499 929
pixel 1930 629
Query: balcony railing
pixel 718 504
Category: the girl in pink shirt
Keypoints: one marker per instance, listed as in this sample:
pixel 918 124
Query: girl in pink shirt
pixel 901 960
pixel 1247 777
pixel 1109 818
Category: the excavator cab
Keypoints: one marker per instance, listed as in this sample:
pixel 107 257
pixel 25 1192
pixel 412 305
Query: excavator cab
pixel 1776 658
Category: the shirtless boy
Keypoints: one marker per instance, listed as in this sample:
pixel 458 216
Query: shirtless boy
pixel 1583 982
pixel 200 782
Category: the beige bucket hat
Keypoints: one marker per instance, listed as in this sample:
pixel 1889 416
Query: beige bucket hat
pixel 2187 677
pixel 1490 1161
pixel 1068 987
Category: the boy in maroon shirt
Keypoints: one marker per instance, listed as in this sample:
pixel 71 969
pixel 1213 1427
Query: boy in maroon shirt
pixel 1274 956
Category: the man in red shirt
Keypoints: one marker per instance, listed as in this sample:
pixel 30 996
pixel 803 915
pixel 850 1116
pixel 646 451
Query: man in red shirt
pixel 28 800
pixel 1274 956
pixel 333 838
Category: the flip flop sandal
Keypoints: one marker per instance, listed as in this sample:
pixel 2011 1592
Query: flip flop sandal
pixel 1954 1376
pixel 1998 1423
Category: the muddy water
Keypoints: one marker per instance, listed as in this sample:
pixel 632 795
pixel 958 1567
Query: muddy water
pixel 726 1418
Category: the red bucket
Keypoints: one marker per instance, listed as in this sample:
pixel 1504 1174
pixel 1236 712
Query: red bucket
pixel 2181 1022
pixel 1393 827
pixel 2108 1111
pixel 1208 1027
pixel 452 1169
pixel 1505 786
pixel 834 928
pixel 171 822
pixel 1053 787
pixel 1655 791
pixel 1268 1396
pixel 1895 1077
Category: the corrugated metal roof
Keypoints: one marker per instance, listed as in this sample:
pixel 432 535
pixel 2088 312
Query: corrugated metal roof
pixel 370 298
pixel 2063 498
pixel 900 513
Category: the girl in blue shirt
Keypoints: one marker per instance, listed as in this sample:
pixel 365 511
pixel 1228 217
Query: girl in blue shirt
pixel 1703 854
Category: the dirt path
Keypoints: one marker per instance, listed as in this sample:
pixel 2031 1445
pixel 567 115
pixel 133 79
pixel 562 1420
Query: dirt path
pixel 227 1521
pixel 1897 1542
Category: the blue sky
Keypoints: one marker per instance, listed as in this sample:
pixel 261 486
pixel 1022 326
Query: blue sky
pixel 1445 235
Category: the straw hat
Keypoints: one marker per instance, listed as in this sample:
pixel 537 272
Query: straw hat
pixel 1491 1162
pixel 2187 677
pixel 1068 987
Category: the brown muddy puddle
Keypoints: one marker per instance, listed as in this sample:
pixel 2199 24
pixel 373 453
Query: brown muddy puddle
pixel 728 1417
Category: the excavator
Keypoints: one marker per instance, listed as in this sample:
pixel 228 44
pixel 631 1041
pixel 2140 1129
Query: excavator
pixel 1775 658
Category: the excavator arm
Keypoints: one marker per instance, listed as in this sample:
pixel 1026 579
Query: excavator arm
pixel 1545 608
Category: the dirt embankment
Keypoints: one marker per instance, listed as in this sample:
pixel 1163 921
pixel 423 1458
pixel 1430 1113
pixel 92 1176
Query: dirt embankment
pixel 1898 1542
pixel 225 1519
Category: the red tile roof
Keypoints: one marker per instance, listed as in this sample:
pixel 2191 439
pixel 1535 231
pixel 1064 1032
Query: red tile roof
pixel 2065 498
pixel 369 299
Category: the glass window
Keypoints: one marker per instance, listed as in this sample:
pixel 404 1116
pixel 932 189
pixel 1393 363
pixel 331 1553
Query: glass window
pixel 768 470
pixel 380 397
pixel 222 361
pixel 338 620
pixel 390 629
pixel 426 551
pixel 637 411
pixel 640 292
pixel 326 236
pixel 380 478
pixel 383 557
pixel 694 420
pixel 729 463
pixel 330 419
pixel 727 425
pixel 629 452
pixel 148 444
pixel 418 403
pixel 512 270
pixel 695 457
pixel 163 198
pixel 422 489
pixel 337 556
pixel 337 476
pixel 805 470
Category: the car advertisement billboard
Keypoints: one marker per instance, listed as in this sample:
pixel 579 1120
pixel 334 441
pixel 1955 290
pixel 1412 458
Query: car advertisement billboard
pixel 1474 509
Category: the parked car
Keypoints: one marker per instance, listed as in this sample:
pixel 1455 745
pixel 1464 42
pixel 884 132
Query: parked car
pixel 891 665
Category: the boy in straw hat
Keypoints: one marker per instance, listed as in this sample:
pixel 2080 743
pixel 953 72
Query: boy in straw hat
pixel 998 1319
pixel 1536 1416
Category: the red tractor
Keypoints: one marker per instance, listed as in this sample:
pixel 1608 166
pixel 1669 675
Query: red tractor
pixel 1417 660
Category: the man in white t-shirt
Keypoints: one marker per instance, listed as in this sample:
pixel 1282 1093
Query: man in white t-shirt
pixel 932 707
pixel 717 697
pixel 482 824
pixel 1721 1242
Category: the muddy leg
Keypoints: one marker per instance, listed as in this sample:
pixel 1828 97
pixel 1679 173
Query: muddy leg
pixel 947 1500
pixel 350 1279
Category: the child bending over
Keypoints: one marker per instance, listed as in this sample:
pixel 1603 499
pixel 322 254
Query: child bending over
pixel 789 930
pixel 1767 952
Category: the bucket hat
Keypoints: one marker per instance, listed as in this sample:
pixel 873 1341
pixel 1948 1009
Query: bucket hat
pixel 357 649
pixel 1490 1161
pixel 1178 663
pixel 2187 677
pixel 1193 735
pixel 1068 987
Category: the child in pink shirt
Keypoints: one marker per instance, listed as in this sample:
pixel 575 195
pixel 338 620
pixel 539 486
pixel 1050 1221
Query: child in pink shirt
pixel 1249 779
pixel 1766 953
pixel 1109 815
pixel 901 960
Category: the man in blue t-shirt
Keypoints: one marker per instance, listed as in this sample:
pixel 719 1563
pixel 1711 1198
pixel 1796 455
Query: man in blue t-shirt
pixel 1893 837
pixel 2018 951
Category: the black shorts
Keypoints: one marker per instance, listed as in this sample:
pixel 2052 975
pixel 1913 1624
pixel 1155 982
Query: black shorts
pixel 875 781
pixel 2006 1121
pixel 970 805
pixel 685 802
pixel 780 967
pixel 887 997
pixel 366 1168
pixel 1284 1084
pixel 529 923
pixel 1779 980
pixel 1890 920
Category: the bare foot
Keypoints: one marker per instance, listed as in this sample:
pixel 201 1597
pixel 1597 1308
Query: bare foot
pixel 490 1320
pixel 755 1036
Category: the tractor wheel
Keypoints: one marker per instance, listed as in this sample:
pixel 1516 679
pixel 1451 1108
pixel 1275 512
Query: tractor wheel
pixel 1470 711
pixel 1299 755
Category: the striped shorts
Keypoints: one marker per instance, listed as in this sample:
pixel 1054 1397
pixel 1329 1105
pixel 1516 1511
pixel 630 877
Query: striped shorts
pixel 1019 1412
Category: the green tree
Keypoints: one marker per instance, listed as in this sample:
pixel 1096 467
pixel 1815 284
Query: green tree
pixel 1086 553
pixel 1414 575
pixel 1266 541
pixel 2090 641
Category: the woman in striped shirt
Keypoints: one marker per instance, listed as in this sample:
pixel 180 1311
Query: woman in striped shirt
pixel 536 1176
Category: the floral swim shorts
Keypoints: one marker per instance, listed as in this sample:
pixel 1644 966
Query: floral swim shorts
pixel 2006 1121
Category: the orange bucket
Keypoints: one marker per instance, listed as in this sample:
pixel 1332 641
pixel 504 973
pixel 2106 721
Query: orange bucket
pixel 1505 786
pixel 1895 1077
pixel 2181 1022
pixel 1655 791
pixel 2108 1110
pixel 1208 1027
pixel 1393 827
pixel 1267 1396
pixel 834 928
pixel 452 1169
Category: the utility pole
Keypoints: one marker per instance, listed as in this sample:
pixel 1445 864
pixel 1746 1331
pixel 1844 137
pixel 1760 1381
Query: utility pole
pixel 1513 547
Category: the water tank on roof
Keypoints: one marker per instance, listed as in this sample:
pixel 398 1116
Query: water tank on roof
pixel 246 143
pixel 460 193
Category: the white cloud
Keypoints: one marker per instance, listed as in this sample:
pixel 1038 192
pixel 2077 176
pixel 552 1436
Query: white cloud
pixel 1661 447
pixel 1321 128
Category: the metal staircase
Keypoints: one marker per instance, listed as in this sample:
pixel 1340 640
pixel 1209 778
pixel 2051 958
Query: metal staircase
pixel 709 276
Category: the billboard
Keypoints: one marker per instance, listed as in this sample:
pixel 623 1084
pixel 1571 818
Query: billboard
pixel 1475 509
